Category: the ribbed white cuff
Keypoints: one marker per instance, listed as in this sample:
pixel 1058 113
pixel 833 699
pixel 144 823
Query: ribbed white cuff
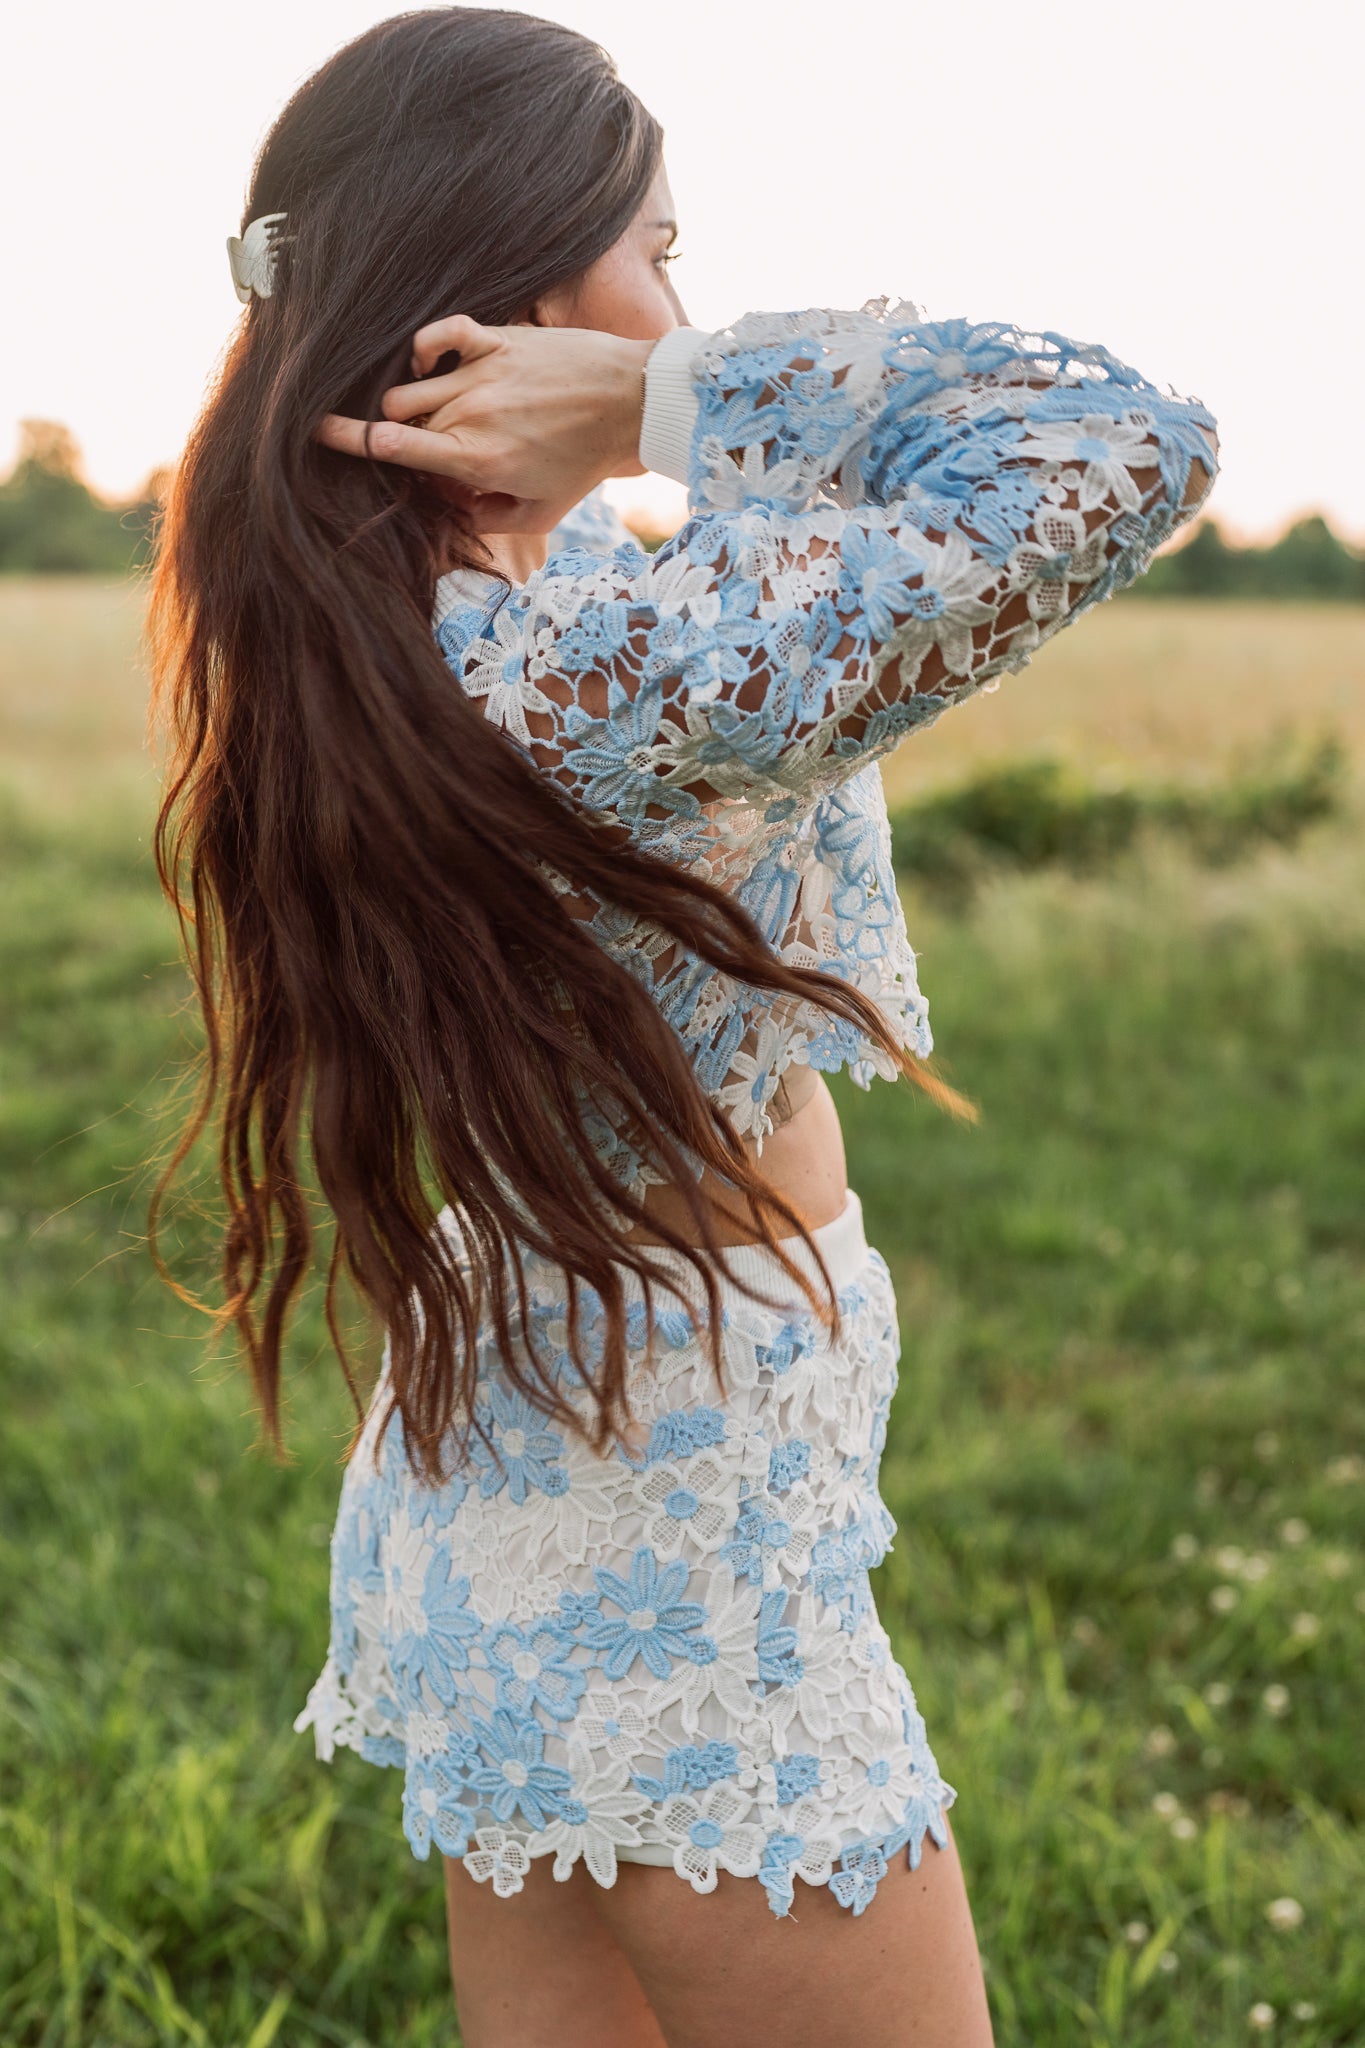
pixel 670 411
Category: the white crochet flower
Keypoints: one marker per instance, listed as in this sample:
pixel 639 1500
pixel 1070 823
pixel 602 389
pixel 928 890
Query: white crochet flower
pixel 729 1678
pixel 954 579
pixel 494 671
pixel 746 1437
pixel 405 1551
pixel 599 1816
pixel 498 1855
pixel 1109 449
pixel 675 584
pixel 817 1706
pixel 810 1819
pixel 708 1832
pixel 686 1507
pixel 727 483
pixel 568 1525
pixel 604 1722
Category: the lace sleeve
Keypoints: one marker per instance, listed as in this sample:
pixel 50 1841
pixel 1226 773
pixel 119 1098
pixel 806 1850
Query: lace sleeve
pixel 885 515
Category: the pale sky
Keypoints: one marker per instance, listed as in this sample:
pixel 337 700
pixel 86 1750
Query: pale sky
pixel 1183 180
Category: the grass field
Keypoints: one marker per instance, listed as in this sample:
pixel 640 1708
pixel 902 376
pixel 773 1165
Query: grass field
pixel 1127 1457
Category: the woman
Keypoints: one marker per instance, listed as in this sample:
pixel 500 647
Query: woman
pixel 535 885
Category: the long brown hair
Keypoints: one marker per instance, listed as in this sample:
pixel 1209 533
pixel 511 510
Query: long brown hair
pixel 358 857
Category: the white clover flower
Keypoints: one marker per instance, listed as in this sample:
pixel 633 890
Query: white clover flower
pixel 1255 1569
pixel 685 1506
pixel 1168 1960
pixel 498 1855
pixel 1223 1599
pixel 1284 1915
pixel 1262 2017
pixel 1165 1805
pixel 709 1832
pixel 1136 1932
pixel 1160 1742
pixel 1216 1694
pixel 604 1722
pixel 1344 1471
pixel 1336 1564
pixel 1275 1700
pixel 1229 1559
pixel 1184 1547
pixel 1184 1828
pixel 1304 2009
pixel 1305 1627
pixel 1294 1531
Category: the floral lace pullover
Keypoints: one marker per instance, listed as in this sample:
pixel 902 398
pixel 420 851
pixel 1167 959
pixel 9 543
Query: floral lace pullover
pixel 885 515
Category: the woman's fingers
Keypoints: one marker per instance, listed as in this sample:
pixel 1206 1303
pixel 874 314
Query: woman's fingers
pixel 390 441
pixel 411 401
pixel 457 331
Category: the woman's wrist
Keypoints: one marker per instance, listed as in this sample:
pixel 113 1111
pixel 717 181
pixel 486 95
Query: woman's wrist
pixel 671 403
pixel 627 403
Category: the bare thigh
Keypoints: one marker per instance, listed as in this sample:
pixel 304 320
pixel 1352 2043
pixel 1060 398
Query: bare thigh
pixel 721 1967
pixel 542 1969
pixel 652 1964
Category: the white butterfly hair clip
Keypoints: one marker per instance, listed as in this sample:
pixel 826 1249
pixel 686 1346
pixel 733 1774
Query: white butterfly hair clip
pixel 252 257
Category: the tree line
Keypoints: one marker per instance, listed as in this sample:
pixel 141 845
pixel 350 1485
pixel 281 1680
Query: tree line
pixel 52 523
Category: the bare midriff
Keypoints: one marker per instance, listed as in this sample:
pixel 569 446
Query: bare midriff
pixel 803 1159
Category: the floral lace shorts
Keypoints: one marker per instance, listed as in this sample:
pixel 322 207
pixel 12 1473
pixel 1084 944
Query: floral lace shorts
pixel 661 1655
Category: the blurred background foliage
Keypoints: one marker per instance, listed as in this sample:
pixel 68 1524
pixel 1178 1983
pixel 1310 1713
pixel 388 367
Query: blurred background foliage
pixel 1126 1459
pixel 51 522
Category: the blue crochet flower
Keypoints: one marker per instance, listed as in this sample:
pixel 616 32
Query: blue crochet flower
pixel 788 1462
pixel 861 1869
pixel 526 1449
pixel 612 755
pixel 516 1778
pixel 655 1624
pixel 819 414
pixel 759 1531
pixel 876 578
pixel 674 1325
pixel 534 1667
pixel 801 646
pixel 780 1851
pixel 778 1662
pixel 441 1645
pixel 682 1431
pixel 434 1802
pixel 594 638
pixel 794 1341
pixel 577 1607
pixel 356 1574
pixel 797 1773
pixel 694 653
pixel 690 1768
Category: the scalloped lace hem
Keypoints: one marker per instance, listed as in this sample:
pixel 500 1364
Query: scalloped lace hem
pixel 849 1863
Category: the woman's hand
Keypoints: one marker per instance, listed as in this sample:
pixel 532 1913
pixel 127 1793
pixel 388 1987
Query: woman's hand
pixel 530 420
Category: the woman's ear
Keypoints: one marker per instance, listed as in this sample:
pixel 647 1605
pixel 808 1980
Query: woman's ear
pixel 552 309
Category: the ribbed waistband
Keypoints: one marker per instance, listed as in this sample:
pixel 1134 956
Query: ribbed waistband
pixel 841 1242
